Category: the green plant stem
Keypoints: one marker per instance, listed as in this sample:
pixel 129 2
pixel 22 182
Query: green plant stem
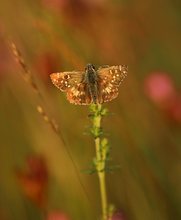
pixel 103 192
pixel 100 163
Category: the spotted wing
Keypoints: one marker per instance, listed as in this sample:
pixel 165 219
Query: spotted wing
pixel 109 79
pixel 66 80
pixel 73 84
pixel 79 94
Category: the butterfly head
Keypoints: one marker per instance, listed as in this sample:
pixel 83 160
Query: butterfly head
pixel 89 67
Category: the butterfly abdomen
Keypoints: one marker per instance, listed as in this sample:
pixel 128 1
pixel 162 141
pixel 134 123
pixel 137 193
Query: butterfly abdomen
pixel 91 80
pixel 93 91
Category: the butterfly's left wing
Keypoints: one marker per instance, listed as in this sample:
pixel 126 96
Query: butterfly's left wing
pixel 109 79
pixel 74 85
pixel 66 80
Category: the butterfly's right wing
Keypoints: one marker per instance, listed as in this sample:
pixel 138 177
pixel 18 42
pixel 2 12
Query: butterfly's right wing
pixel 66 80
pixel 109 80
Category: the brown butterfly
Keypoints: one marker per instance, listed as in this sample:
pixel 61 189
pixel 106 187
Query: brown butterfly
pixel 90 86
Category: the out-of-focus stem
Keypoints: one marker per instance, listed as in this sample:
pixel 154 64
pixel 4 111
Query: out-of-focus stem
pixel 28 77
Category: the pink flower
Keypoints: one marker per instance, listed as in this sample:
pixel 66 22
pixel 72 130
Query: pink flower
pixel 173 110
pixel 161 90
pixel 159 87
pixel 34 179
pixel 118 216
pixel 57 215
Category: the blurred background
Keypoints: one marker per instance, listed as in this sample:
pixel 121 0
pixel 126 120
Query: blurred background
pixel 37 177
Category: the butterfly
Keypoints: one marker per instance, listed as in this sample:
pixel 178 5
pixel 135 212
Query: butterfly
pixel 90 86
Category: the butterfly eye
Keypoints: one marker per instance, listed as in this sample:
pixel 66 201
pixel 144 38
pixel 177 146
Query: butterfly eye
pixel 89 67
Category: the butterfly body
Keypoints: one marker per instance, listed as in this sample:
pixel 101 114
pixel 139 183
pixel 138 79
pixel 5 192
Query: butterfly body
pixel 91 85
pixel 91 79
